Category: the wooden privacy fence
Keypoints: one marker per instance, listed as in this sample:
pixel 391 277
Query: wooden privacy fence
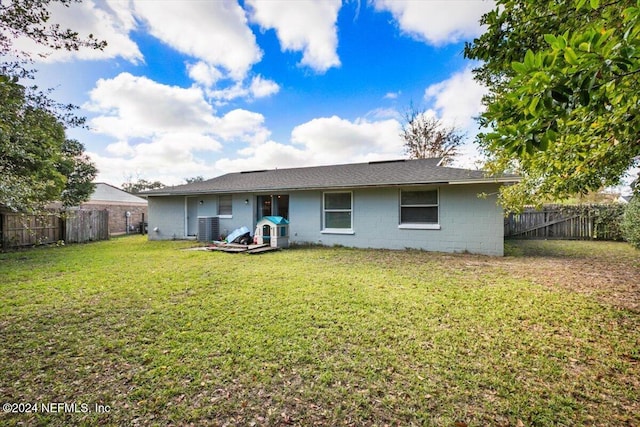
pixel 584 222
pixel 20 229
pixel 85 226
pixel 74 226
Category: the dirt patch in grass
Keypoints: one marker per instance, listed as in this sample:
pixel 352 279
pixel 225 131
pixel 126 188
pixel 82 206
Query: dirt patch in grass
pixel 607 271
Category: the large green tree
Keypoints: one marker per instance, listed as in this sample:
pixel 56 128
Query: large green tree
pixel 564 103
pixel 38 164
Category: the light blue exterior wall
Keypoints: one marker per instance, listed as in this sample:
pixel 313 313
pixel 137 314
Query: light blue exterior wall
pixel 466 222
pixel 166 218
pixel 242 214
pixel 168 214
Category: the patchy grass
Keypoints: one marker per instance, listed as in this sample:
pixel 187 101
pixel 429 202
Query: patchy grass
pixel 608 271
pixel 323 336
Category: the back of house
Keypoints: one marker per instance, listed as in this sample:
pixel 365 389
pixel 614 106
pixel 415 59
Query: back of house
pixel 389 204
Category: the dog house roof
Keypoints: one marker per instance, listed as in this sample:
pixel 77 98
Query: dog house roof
pixel 277 220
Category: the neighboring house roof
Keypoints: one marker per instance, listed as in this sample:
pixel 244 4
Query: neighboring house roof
pixel 624 199
pixel 105 193
pixel 372 174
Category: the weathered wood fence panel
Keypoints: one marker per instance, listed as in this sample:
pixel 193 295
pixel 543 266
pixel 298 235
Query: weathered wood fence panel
pixel 75 226
pixel 597 222
pixel 19 229
pixel 86 226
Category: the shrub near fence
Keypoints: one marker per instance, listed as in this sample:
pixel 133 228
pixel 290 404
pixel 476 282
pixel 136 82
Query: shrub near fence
pixel 578 222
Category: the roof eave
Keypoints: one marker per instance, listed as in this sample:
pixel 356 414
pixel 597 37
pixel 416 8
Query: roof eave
pixel 333 187
pixel 501 180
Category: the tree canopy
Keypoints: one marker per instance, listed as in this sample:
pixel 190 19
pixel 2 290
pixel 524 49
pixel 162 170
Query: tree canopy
pixel 563 109
pixel 427 136
pixel 141 185
pixel 31 19
pixel 38 164
pixel 198 178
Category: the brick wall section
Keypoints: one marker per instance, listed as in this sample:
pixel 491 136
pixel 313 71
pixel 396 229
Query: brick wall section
pixel 117 218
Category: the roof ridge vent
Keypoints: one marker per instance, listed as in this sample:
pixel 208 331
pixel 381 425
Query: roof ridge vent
pixel 379 162
pixel 256 171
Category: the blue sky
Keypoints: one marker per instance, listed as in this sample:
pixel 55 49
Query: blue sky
pixel 189 88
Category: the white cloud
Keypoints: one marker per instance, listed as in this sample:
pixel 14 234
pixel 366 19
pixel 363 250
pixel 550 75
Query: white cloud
pixel 163 130
pixel 332 139
pixel 208 76
pixel 304 25
pixel 215 32
pixel 116 170
pixel 241 125
pixel 437 22
pixel 204 74
pixel 384 114
pixel 261 88
pixel 131 106
pixel 120 149
pixel 270 154
pixel 166 157
pixel 224 95
pixel 457 101
pixel 111 21
pixel 326 140
pixel 124 11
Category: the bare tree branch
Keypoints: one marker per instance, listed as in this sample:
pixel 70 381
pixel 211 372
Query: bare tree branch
pixel 426 136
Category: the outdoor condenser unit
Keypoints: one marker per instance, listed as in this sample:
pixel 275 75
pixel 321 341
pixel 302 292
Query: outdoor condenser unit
pixel 208 228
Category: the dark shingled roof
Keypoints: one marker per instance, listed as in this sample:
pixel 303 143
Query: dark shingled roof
pixel 372 174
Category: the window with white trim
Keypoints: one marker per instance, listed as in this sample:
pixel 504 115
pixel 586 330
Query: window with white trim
pixel 418 207
pixel 224 205
pixel 337 211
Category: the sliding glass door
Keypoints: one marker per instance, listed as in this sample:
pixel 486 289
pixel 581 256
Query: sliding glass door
pixel 273 205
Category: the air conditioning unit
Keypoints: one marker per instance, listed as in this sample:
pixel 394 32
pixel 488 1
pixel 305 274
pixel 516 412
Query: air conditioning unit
pixel 208 228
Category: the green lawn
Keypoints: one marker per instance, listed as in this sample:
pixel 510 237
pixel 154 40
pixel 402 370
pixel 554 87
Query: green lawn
pixel 324 336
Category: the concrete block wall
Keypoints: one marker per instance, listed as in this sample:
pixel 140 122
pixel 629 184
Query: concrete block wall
pixel 467 223
pixel 166 218
pixel 167 214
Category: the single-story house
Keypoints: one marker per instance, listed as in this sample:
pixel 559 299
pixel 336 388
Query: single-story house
pixel 126 211
pixel 393 204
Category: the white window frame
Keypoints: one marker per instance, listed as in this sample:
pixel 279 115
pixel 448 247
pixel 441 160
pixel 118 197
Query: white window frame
pixel 419 225
pixel 326 230
pixel 225 216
